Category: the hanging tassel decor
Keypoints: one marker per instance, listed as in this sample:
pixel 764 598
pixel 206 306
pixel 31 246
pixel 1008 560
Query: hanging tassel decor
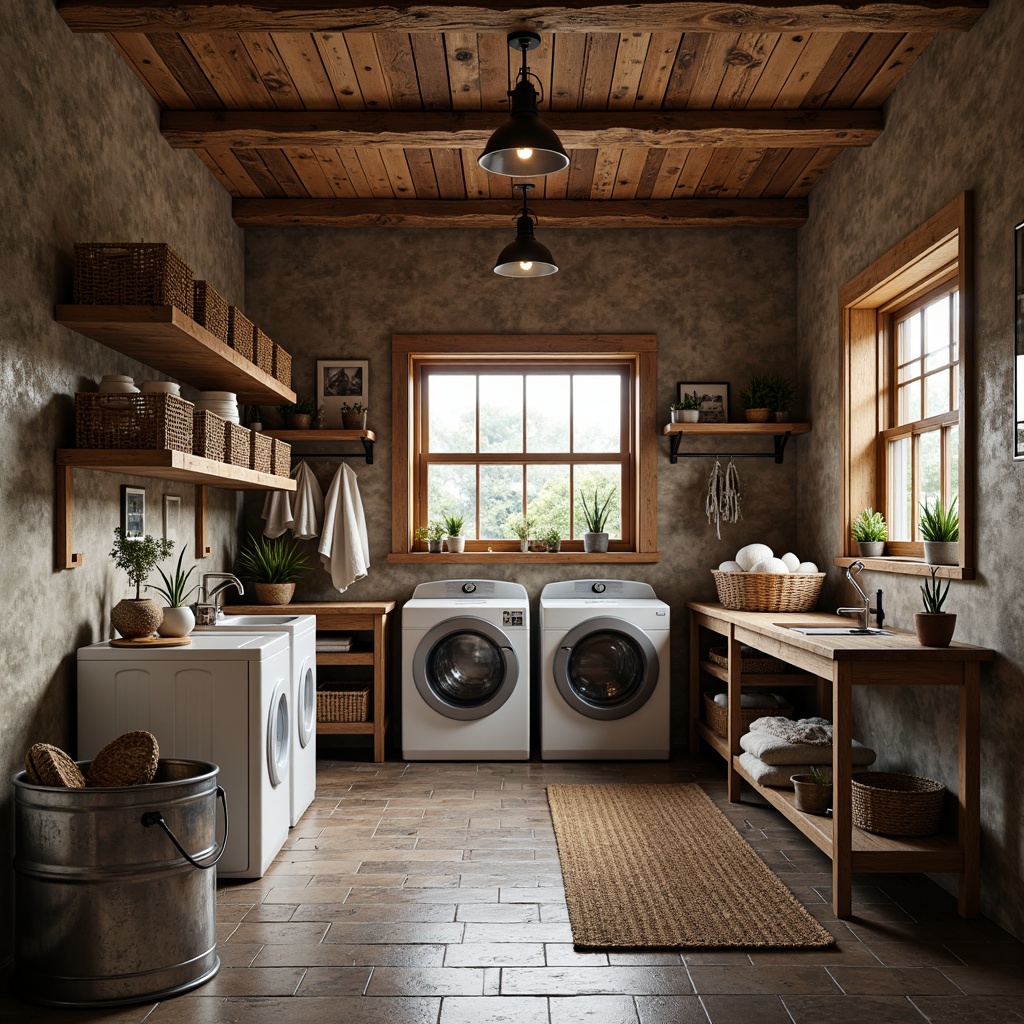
pixel 723 500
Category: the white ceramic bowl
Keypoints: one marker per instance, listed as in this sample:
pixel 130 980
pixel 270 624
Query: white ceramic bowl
pixel 161 387
pixel 119 377
pixel 218 396
pixel 113 387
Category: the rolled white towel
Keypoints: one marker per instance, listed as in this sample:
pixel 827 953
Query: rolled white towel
pixel 773 750
pixel 754 699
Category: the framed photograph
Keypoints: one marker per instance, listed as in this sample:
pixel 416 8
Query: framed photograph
pixel 341 382
pixel 714 406
pixel 172 513
pixel 133 512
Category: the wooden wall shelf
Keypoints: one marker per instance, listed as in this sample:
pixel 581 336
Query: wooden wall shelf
pixel 779 432
pixel 166 339
pixel 332 437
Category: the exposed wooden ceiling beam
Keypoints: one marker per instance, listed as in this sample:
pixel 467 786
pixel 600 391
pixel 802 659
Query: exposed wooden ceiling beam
pixel 503 15
pixel 767 129
pixel 497 213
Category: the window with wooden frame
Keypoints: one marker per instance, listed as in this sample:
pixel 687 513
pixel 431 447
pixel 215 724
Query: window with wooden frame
pixel 497 427
pixel 907 389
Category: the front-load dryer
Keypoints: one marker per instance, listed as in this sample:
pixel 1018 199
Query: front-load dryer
pixel 466 671
pixel 225 699
pixel 604 667
pixel 301 630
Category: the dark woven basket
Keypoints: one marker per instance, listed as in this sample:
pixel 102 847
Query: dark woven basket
pixel 755 664
pixel 281 458
pixel 718 717
pixel 893 804
pixel 132 274
pixel 211 310
pixel 260 451
pixel 240 332
pixel 148 420
pixel 236 444
pixel 208 430
pixel 264 348
pixel 130 760
pixel 342 705
pixel 47 765
pixel 282 366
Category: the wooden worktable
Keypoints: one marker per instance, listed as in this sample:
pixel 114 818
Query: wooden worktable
pixel 833 666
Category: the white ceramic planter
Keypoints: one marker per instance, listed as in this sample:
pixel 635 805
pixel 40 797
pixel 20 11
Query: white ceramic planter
pixel 690 415
pixel 177 622
pixel 456 545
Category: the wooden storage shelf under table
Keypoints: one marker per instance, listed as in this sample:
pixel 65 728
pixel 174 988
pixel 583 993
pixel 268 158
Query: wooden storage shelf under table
pixel 350 617
pixel 835 665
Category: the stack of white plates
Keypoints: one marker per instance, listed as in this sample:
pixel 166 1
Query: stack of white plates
pixel 223 403
pixel 161 387
pixel 117 384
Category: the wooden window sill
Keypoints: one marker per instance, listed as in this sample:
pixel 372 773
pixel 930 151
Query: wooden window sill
pixel 520 557
pixel 907 566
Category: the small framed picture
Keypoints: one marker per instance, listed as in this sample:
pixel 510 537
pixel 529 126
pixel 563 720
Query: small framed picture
pixel 133 512
pixel 172 513
pixel 713 398
pixel 341 382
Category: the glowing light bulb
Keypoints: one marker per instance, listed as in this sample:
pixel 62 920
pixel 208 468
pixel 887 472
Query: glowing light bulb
pixel 524 154
pixel 526 265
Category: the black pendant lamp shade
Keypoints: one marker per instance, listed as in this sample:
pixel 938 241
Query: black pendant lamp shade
pixel 525 257
pixel 524 145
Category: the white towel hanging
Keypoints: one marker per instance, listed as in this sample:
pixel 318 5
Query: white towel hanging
pixel 309 503
pixel 277 511
pixel 344 547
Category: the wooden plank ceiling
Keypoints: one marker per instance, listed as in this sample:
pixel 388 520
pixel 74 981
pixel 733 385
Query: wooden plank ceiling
pixel 689 113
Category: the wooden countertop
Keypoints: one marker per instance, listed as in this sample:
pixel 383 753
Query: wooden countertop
pixel 313 608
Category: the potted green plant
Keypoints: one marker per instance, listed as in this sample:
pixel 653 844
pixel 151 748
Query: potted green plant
pixel 870 531
pixel 254 418
pixel 940 531
pixel 812 791
pixel 137 617
pixel 595 514
pixel 687 409
pixel 756 398
pixel 453 532
pixel 521 526
pixel 552 540
pixel 353 417
pixel 178 618
pixel 435 534
pixel 783 392
pixel 273 566
pixel 933 626
pixel 299 415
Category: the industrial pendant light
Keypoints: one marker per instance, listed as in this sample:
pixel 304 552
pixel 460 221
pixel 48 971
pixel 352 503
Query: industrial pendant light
pixel 525 257
pixel 524 145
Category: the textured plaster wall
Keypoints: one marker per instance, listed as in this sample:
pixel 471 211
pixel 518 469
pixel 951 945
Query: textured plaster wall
pixel 953 124
pixel 81 159
pixel 722 304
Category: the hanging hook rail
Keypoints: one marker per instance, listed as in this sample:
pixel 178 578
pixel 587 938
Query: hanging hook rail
pixel 318 437
pixel 780 434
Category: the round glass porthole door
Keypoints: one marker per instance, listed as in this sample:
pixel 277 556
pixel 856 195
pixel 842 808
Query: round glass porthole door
pixel 606 668
pixel 279 734
pixel 307 704
pixel 465 668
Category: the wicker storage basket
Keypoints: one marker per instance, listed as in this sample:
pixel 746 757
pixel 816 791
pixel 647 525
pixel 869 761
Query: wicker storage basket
pixel 342 705
pixel 208 431
pixel 240 332
pixel 282 366
pixel 236 444
pixel 150 420
pixel 281 458
pixel 260 451
pixel 211 310
pixel 892 804
pixel 768 591
pixel 754 665
pixel 718 717
pixel 132 274
pixel 264 349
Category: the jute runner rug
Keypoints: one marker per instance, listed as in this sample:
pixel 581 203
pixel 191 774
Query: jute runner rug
pixel 660 867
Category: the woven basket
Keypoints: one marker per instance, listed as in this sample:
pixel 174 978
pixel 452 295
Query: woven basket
pixel 208 431
pixel 718 717
pixel 260 451
pixel 892 804
pixel 768 591
pixel 342 705
pixel 236 444
pixel 264 349
pixel 282 366
pixel 281 458
pixel 762 663
pixel 211 309
pixel 129 760
pixel 240 332
pixel 132 274
pixel 47 765
pixel 150 420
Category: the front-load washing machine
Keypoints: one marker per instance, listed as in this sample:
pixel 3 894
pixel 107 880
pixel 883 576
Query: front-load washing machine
pixel 604 671
pixel 466 671
pixel 223 699
pixel 301 630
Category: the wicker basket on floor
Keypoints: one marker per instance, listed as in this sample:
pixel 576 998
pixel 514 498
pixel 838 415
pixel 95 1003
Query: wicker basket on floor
pixel 893 804
pixel 718 717
pixel 264 351
pixel 282 366
pixel 132 274
pixel 211 310
pixel 240 332
pixel 281 458
pixel 148 421
pixel 768 591
pixel 260 451
pixel 208 431
pixel 755 665
pixel 343 705
pixel 236 444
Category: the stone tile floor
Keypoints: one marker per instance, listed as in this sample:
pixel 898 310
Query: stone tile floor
pixel 431 894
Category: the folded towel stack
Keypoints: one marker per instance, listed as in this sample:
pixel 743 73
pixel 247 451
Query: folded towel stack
pixel 754 699
pixel 776 748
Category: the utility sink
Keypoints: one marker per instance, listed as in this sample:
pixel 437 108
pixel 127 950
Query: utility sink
pixel 253 620
pixel 838 631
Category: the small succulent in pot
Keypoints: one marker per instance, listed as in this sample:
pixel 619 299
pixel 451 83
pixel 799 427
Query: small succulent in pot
pixel 870 531
pixel 353 417
pixel 940 532
pixel 274 567
pixel 299 415
pixel 432 533
pixel 552 540
pixel 933 626
pixel 596 515
pixel 521 526
pixel 757 397
pixel 178 619
pixel 687 409
pixel 453 524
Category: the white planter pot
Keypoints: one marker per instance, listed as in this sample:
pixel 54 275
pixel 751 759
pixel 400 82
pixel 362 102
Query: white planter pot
pixel 676 415
pixel 942 552
pixel 595 542
pixel 690 415
pixel 524 545
pixel 456 545
pixel 177 622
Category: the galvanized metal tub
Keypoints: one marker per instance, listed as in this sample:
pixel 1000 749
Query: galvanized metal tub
pixel 106 910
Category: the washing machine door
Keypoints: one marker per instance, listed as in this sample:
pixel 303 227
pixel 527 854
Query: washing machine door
pixel 606 668
pixel 465 668
pixel 306 711
pixel 279 734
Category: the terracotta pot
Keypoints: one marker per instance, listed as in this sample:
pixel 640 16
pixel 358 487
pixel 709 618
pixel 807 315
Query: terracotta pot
pixel 870 548
pixel 299 421
pixel 810 797
pixel 942 552
pixel 757 415
pixel 353 420
pixel 595 542
pixel 136 617
pixel 934 629
pixel 177 622
pixel 274 593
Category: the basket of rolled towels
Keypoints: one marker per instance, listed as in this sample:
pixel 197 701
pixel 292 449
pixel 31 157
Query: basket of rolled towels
pixel 776 748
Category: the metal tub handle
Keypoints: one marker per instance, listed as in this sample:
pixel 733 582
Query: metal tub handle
pixel 151 818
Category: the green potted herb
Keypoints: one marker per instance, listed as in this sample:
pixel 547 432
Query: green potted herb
pixel 435 534
pixel 521 526
pixel 781 396
pixel 138 616
pixel 756 398
pixel 552 540
pixel 453 532
pixel 273 566
pixel 687 409
pixel 299 415
pixel 870 531
pixel 933 626
pixel 940 531
pixel 178 618
pixel 812 791
pixel 595 514
pixel 353 417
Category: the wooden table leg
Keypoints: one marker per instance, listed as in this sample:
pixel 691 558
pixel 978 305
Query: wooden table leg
pixel 733 690
pixel 379 716
pixel 969 798
pixel 694 683
pixel 842 809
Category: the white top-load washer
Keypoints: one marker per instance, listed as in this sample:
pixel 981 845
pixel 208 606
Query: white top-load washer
pixel 466 671
pixel 225 699
pixel 604 666
pixel 301 630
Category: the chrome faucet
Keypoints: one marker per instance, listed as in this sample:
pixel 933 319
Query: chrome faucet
pixel 208 609
pixel 865 609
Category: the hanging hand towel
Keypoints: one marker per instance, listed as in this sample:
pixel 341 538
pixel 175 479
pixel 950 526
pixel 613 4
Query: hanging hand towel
pixel 277 511
pixel 309 503
pixel 344 549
